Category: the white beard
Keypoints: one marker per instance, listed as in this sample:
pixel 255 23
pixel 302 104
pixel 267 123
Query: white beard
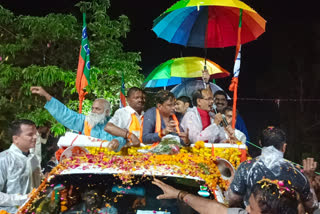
pixel 95 119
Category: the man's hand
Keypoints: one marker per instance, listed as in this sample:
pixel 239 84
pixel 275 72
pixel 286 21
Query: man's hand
pixel 309 167
pixel 40 91
pixel 185 137
pixel 171 127
pixel 218 119
pixel 316 185
pixel 231 132
pixel 168 191
pixel 113 145
pixel 134 141
pixel 205 76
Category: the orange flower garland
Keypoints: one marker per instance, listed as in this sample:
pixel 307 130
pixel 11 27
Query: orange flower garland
pixel 194 161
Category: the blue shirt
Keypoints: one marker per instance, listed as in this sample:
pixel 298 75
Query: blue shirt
pixel 241 126
pixel 75 121
pixel 149 125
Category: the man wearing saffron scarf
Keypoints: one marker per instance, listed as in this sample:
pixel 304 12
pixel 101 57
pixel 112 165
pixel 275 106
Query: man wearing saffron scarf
pixel 90 125
pixel 201 122
pixel 127 122
pixel 160 121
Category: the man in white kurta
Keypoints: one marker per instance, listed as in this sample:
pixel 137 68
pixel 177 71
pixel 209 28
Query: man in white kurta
pixel 200 123
pixel 20 171
pixel 127 122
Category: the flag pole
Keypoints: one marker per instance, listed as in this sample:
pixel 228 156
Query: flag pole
pixel 122 92
pixel 83 71
pixel 236 71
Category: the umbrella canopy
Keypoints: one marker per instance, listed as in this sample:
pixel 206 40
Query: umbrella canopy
pixel 187 88
pixel 164 82
pixel 173 71
pixel 208 23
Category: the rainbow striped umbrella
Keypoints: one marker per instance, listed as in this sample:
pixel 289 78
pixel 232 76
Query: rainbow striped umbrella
pixel 174 71
pixel 208 23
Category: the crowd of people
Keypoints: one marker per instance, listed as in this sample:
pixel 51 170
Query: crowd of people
pixel 265 184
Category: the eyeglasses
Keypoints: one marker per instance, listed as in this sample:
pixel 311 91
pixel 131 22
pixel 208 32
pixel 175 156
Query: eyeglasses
pixel 208 99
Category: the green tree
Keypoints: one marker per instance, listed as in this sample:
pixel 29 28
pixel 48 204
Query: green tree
pixel 44 51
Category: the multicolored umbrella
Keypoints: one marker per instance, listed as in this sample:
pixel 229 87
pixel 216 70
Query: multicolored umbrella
pixel 187 88
pixel 155 83
pixel 173 71
pixel 208 23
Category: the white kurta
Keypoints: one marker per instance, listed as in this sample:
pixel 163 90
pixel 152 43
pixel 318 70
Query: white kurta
pixel 19 175
pixel 122 118
pixel 192 122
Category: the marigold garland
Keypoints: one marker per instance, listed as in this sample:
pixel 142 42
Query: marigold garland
pixel 194 161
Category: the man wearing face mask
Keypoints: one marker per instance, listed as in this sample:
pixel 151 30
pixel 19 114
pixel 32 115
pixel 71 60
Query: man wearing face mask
pixel 90 125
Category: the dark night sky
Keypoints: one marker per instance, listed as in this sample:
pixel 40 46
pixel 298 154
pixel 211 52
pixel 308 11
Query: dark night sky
pixel 256 55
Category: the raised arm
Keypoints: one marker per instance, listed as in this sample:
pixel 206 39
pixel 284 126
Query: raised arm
pixel 41 92
pixel 60 112
pixel 310 202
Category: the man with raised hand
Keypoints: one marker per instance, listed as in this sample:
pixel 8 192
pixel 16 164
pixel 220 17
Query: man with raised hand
pixel 90 125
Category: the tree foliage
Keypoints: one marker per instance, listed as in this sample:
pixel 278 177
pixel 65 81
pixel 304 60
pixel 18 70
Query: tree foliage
pixel 44 51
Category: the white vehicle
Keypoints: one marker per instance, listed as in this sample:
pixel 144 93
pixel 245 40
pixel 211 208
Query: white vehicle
pixel 86 183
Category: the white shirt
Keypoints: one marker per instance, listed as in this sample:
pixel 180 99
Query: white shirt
pixel 122 117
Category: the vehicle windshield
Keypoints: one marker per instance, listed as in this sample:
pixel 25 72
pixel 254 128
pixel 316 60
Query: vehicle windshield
pixel 107 193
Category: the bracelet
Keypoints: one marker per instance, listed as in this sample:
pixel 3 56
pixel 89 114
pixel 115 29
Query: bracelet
pixel 182 194
pixel 129 135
